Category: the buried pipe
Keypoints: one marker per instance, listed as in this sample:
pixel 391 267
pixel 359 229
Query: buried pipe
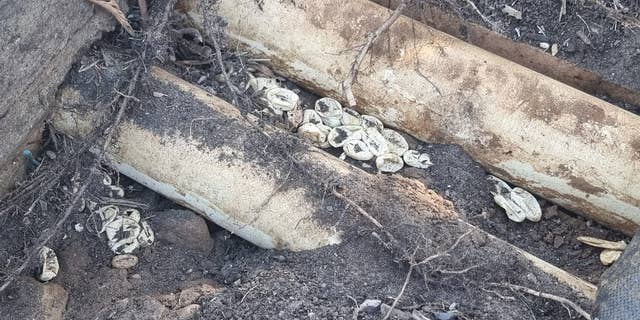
pixel 567 146
pixel 259 197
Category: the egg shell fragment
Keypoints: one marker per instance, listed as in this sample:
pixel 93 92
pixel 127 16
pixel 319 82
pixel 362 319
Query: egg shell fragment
pixel 389 162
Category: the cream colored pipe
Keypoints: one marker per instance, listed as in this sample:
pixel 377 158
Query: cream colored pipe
pixel 576 150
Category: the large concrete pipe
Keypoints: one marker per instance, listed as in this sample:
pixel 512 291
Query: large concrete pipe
pixel 567 146
pixel 273 189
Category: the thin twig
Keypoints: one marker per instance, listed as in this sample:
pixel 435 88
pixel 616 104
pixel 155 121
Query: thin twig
pixel 413 264
pixel 363 212
pixel 563 301
pixel 371 39
pixel 81 191
pixel 144 9
pixel 493 25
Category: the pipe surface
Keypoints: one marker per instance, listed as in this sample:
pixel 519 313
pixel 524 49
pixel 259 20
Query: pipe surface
pixel 563 144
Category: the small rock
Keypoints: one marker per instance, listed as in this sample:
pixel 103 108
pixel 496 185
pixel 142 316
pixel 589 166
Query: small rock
pixel 554 49
pixel 191 295
pixel 370 305
pixel 124 261
pixel 558 241
pixel 78 227
pixel 184 229
pixel 545 45
pixel 34 300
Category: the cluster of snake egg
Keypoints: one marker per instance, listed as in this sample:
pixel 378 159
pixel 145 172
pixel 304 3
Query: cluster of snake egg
pixel 125 230
pixel 328 124
pixel 518 203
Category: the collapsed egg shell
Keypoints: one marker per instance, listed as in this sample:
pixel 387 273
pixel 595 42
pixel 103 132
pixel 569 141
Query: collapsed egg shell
pixel 500 187
pixel 608 257
pixel 340 135
pixel 49 266
pixel 261 83
pixel 315 133
pixel 281 99
pixel 376 142
pixel 330 110
pixel 371 122
pixel 350 117
pixel 528 203
pixel 389 162
pixel 416 159
pixel 358 150
pixel 397 143
pixel 311 116
pixel 513 211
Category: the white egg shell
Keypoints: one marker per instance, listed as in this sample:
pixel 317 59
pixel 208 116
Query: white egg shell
pixel 389 162
pixel 514 212
pixel 528 203
pixel 397 143
pixel 350 117
pixel 281 99
pixel 376 142
pixel 311 116
pixel 367 122
pixel 261 83
pixel 339 135
pixel 416 159
pixel 358 150
pixel 49 266
pixel 315 133
pixel 330 110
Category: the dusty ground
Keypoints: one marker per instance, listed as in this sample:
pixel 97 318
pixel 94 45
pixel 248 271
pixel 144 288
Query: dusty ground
pixel 264 284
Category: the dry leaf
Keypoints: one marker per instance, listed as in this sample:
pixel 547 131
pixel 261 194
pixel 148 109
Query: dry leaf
pixel 113 7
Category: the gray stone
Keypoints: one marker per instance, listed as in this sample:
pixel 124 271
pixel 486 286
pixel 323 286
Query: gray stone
pixel 182 228
pixel 27 298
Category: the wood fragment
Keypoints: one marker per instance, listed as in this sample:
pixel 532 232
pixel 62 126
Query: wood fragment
pixel 604 244
pixel 113 7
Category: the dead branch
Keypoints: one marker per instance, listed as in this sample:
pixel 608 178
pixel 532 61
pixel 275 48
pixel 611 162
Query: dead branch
pixel 371 39
pixel 87 181
pixel 363 212
pixel 564 301
pixel 113 7
pixel 413 264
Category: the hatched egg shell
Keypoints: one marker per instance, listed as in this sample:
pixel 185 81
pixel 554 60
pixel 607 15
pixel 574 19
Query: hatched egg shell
pixel 389 162
pixel 330 110
pixel 528 203
pixel 358 150
pixel 315 133
pixel 339 135
pixel 281 99
pixel 416 159
pixel 376 142
pixel 367 122
pixel 311 116
pixel 146 236
pixel 397 143
pixel 608 257
pixel 513 211
pixel 261 83
pixel 500 186
pixel 350 117
pixel 49 266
